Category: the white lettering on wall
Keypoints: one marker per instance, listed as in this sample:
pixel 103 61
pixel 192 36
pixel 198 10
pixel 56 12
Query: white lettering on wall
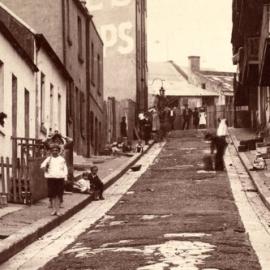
pixel 108 33
pixel 120 3
pixel 124 34
pixel 113 35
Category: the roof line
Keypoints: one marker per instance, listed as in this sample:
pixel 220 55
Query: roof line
pixel 17 18
pixel 16 45
pixel 43 42
pixel 179 70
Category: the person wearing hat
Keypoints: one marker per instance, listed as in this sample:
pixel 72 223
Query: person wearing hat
pixel 161 101
pixel 55 171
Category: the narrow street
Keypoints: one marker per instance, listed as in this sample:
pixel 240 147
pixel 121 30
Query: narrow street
pixel 172 215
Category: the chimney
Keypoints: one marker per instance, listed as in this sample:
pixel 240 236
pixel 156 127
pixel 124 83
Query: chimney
pixel 194 63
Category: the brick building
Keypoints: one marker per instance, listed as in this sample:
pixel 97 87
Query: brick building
pixel 250 44
pixel 69 29
pixel 122 26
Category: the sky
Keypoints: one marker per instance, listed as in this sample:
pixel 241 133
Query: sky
pixel 179 28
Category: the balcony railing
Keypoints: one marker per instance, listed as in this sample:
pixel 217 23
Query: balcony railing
pixel 248 55
pixel 252 48
pixel 265 31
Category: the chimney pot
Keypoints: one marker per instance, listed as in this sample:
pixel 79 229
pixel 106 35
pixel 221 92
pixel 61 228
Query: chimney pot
pixel 194 63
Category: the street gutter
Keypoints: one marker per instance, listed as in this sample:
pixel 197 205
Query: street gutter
pixel 24 237
pixel 263 190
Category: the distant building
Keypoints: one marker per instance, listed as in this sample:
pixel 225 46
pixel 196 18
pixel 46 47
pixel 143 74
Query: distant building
pixel 122 26
pixel 33 83
pixel 68 27
pixel 218 81
pixel 178 89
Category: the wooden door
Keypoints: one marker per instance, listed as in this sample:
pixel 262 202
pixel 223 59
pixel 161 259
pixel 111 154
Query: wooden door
pixel 26 113
pixel 14 105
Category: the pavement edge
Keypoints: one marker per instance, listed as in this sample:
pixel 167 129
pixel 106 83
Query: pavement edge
pixel 263 191
pixel 21 239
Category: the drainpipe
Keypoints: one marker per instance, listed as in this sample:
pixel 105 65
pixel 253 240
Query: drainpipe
pixel 37 92
pixel 64 31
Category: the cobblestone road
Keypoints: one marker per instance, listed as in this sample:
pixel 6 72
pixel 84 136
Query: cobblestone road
pixel 174 216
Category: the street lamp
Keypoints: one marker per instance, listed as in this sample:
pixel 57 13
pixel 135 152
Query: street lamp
pixel 161 88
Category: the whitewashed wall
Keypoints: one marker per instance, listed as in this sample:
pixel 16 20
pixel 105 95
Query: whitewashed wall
pixel 55 77
pixel 14 64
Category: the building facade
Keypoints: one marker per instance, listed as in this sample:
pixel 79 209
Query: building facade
pixel 17 91
pixel 250 46
pixel 34 100
pixel 122 26
pixel 67 26
pixel 179 92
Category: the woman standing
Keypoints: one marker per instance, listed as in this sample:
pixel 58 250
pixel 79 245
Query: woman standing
pixel 196 118
pixel 155 124
pixel 55 170
pixel 202 118
pixel 147 128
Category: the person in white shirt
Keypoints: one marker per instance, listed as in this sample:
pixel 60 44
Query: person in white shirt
pixel 55 171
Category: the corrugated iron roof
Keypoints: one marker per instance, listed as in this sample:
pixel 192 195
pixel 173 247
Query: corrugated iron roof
pixel 175 84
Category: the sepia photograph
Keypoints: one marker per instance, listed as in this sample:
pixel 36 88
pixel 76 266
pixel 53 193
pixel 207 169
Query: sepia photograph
pixel 134 135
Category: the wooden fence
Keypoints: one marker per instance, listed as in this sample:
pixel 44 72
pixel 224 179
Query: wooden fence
pixel 27 154
pixel 5 175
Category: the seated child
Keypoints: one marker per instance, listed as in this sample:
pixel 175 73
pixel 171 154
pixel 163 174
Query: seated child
pixel 83 184
pixel 139 147
pixel 115 149
pixel 258 163
pixel 96 184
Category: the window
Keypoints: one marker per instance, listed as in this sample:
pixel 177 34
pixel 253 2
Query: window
pixel 69 101
pixel 42 99
pixel 68 23
pixel 76 108
pixel 203 86
pixel 92 128
pixel 98 75
pixel 14 105
pixel 51 106
pixel 92 63
pixel 59 105
pixel 26 113
pixel 79 38
pixel 82 113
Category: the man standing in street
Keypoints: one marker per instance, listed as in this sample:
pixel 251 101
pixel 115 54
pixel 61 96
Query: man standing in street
pixel 162 101
pixel 186 117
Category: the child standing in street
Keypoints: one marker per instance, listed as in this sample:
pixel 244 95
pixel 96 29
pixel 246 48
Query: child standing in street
pixel 55 170
pixel 96 184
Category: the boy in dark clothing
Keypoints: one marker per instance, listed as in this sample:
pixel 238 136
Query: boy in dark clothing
pixel 96 184
pixel 187 113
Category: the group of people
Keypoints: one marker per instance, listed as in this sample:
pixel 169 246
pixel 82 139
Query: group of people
pixel 198 117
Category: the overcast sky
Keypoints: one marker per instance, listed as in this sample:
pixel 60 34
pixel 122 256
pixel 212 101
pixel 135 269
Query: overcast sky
pixel 179 28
